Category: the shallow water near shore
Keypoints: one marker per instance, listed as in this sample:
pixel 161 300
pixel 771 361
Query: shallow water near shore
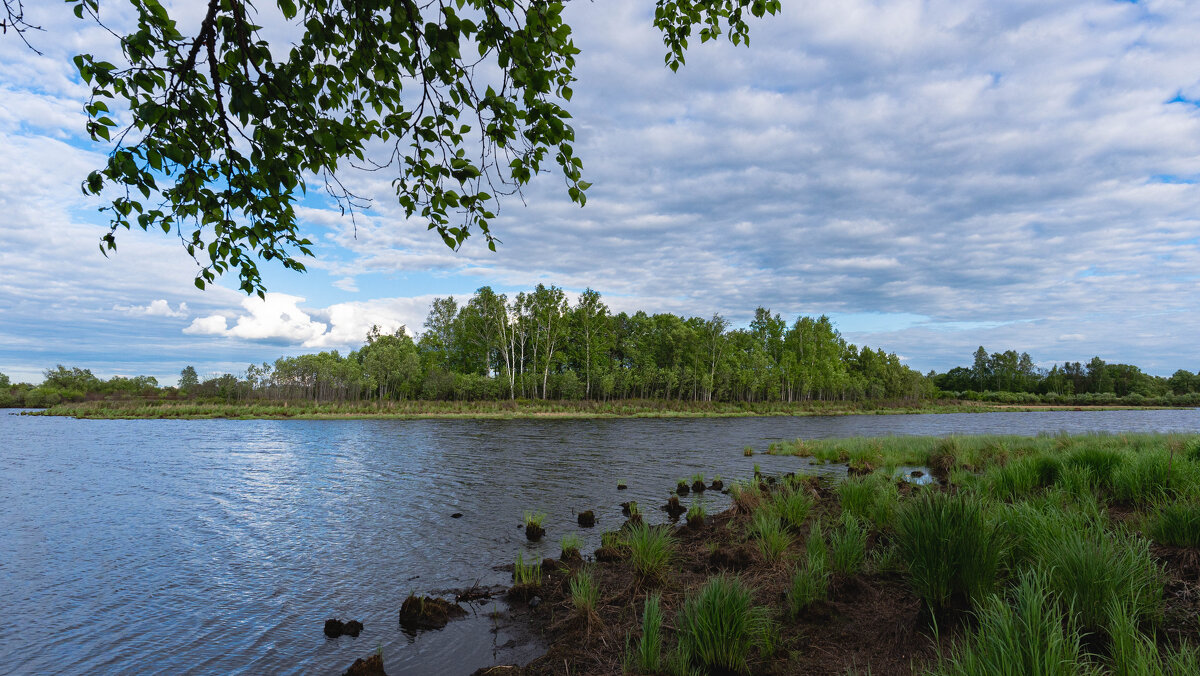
pixel 217 546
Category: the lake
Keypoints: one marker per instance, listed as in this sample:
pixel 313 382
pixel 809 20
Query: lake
pixel 218 546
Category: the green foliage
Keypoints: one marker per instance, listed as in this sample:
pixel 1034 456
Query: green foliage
pixel 792 506
pixel 571 544
pixel 848 545
pixel 1032 635
pixel 526 574
pixel 647 658
pixel 1146 477
pixel 810 583
pixel 719 625
pixel 1088 570
pixel 226 127
pixel 585 593
pixel 650 550
pixel 533 518
pixel 1175 523
pixel 872 498
pixel 768 533
pixel 815 548
pixel 951 548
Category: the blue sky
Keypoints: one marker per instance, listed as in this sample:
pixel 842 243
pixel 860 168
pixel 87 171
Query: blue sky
pixel 933 175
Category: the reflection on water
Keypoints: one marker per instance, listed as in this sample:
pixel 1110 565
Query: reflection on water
pixel 223 546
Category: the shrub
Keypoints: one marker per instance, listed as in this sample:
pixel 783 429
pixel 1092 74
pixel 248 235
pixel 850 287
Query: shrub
pixel 719 624
pixel 951 549
pixel 650 549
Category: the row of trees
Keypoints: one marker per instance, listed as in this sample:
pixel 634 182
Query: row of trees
pixel 1012 372
pixel 537 345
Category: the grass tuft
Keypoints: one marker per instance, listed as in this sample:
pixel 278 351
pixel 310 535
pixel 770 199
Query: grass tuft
pixel 650 550
pixel 951 549
pixel 719 625
pixel 848 545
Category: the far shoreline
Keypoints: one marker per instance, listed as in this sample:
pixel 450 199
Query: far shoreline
pixel 533 410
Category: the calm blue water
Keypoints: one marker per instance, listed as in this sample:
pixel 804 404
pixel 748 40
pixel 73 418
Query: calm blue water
pixel 220 547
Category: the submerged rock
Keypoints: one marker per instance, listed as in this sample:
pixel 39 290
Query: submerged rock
pixel 456 515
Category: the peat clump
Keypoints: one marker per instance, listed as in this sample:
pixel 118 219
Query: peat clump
pixel 425 612
pixel 673 508
pixel 335 628
pixel 587 519
pixel 371 666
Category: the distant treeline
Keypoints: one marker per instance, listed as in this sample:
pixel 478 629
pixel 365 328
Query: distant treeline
pixel 538 346
pixel 1008 377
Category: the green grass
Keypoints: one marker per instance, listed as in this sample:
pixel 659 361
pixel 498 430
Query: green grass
pixel 1175 523
pixel 534 518
pixel 815 547
pixel 810 583
pixel 848 545
pixel 873 497
pixel 650 550
pixel 768 534
pixel 585 593
pixel 647 657
pixel 792 506
pixel 696 511
pixel 719 625
pixel 1088 570
pixel 951 549
pixel 571 544
pixel 526 574
pixel 1031 635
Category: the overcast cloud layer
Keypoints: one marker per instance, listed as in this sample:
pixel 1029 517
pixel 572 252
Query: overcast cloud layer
pixel 934 175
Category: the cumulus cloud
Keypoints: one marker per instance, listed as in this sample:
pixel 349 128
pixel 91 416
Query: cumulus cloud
pixel 280 319
pixel 156 308
pixel 1013 174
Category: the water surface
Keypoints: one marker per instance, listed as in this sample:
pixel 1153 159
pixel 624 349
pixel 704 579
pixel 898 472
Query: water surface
pixel 215 546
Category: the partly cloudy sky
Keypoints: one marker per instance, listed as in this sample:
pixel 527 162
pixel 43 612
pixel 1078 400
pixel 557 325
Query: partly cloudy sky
pixel 933 175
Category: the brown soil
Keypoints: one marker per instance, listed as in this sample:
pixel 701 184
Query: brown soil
pixel 534 532
pixel 424 612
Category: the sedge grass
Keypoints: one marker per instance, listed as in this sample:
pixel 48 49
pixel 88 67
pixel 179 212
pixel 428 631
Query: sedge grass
pixel 1032 635
pixel 1175 523
pixel 768 534
pixel 719 625
pixel 526 574
pixel 570 544
pixel 848 545
pixel 585 593
pixel 792 506
pixel 650 550
pixel 951 549
pixel 810 583
pixel 646 658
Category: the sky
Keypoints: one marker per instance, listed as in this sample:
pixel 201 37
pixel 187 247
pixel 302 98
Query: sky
pixel 934 176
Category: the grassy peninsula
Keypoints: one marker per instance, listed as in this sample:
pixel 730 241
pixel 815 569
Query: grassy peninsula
pixel 1049 555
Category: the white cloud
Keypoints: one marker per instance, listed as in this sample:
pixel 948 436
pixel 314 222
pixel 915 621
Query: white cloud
pixel 156 308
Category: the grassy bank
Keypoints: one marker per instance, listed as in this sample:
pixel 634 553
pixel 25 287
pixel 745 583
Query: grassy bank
pixel 1048 555
pixel 525 408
